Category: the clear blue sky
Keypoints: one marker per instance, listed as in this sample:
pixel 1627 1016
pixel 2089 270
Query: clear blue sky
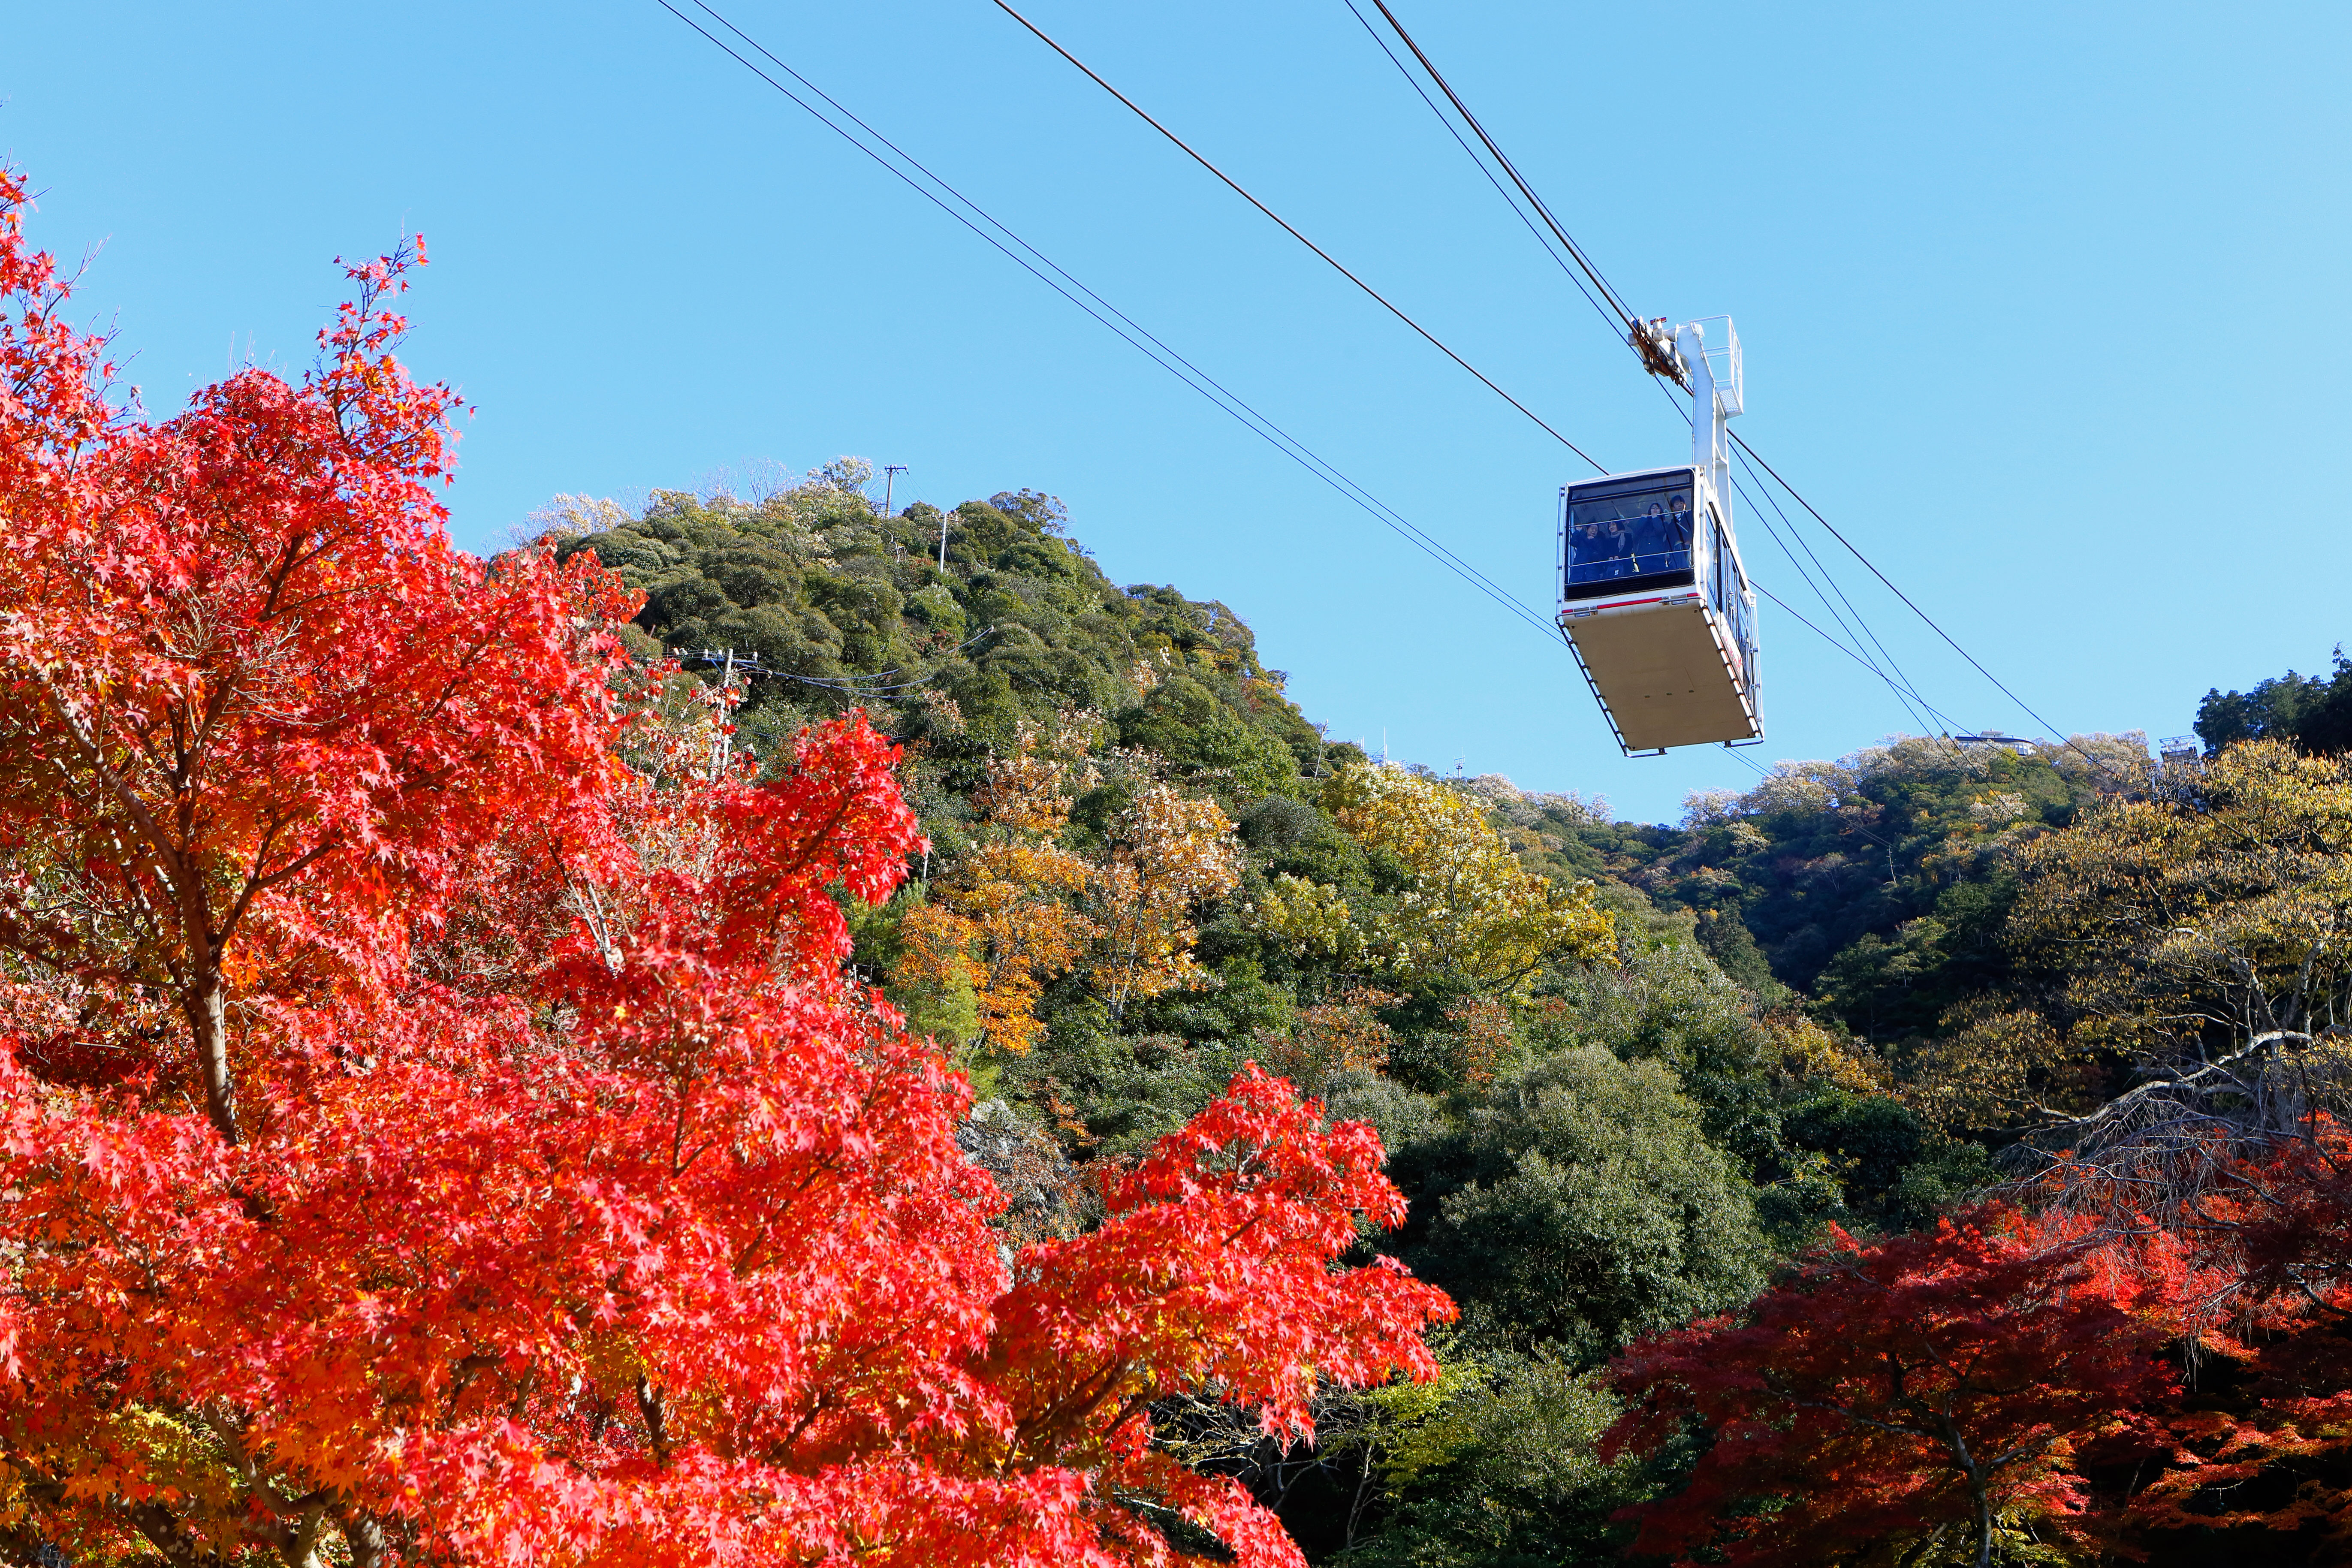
pixel 2043 305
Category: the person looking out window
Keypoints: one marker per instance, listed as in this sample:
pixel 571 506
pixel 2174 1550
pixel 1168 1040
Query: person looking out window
pixel 1617 544
pixel 1588 552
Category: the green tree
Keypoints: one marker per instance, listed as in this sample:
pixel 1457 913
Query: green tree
pixel 1670 1005
pixel 2312 712
pixel 1580 1205
pixel 1181 719
pixel 1498 1465
pixel 1821 856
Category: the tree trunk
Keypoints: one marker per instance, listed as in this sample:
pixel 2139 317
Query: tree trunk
pixel 1979 1485
pixel 365 1536
pixel 205 1003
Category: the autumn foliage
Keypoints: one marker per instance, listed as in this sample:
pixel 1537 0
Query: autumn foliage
pixel 1945 1378
pixel 2268 1446
pixel 1022 908
pixel 1467 907
pixel 2093 1384
pixel 434 1122
pixel 1005 922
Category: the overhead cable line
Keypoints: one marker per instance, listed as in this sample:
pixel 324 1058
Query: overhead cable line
pixel 1826 637
pixel 1932 625
pixel 1852 645
pixel 1621 314
pixel 1759 769
pixel 1608 312
pixel 1336 266
pixel 749 665
pixel 1850 619
pixel 1106 314
pixel 1845 624
pixel 1828 577
pixel 1141 337
pixel 1626 316
pixel 1905 692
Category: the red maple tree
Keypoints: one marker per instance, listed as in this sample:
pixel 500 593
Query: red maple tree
pixel 2267 1447
pixel 2160 1392
pixel 434 1122
pixel 1928 1384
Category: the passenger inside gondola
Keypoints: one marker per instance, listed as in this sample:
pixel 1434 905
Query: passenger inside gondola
pixel 1588 552
pixel 1618 547
pixel 1663 538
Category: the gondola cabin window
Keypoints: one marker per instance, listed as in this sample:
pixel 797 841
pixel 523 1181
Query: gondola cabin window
pixel 1721 575
pixel 1631 535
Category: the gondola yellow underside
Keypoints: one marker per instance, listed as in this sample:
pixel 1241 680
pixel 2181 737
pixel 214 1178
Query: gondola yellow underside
pixel 1664 677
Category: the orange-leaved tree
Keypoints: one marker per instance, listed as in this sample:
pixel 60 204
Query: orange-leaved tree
pixel 426 1136
pixel 1004 921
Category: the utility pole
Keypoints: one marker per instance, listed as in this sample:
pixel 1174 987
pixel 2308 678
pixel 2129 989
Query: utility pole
pixel 722 745
pixel 890 472
pixel 943 542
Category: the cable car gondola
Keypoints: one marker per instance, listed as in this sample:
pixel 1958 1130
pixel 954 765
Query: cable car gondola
pixel 1653 598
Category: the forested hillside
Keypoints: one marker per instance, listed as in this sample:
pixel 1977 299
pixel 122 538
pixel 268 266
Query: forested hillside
pixel 1626 1074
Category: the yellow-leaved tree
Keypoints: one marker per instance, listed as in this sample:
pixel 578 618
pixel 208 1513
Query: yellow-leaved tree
pixel 2182 960
pixel 1005 919
pixel 1168 856
pixel 1469 907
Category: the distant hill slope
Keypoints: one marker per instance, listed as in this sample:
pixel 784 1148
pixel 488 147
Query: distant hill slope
pixel 849 607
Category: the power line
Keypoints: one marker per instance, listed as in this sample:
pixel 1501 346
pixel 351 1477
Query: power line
pixel 1850 620
pixel 1794 614
pixel 1831 578
pixel 878 684
pixel 1615 304
pixel 1108 315
pixel 1905 691
pixel 1854 648
pixel 1889 582
pixel 1125 327
pixel 1236 187
pixel 1898 685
